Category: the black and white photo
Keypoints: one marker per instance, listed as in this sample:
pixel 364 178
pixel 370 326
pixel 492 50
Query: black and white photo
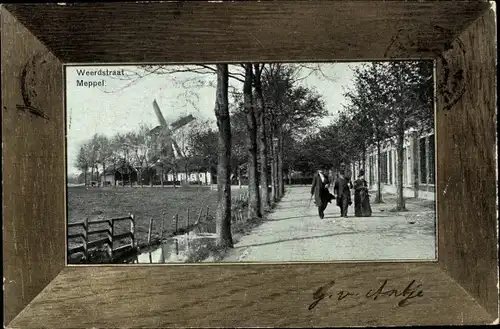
pixel 251 162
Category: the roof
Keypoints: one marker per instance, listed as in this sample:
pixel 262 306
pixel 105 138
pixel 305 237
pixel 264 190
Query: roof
pixel 121 168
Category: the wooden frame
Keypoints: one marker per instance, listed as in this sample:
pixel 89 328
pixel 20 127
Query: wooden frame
pixel 42 291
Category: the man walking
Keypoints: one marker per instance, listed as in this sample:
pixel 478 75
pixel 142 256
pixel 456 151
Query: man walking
pixel 342 191
pixel 319 190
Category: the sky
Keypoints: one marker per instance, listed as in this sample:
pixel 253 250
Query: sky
pixel 114 103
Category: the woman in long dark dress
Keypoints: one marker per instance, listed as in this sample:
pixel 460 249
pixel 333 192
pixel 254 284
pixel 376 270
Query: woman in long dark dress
pixel 362 206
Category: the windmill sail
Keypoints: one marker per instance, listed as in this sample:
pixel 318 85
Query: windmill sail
pixel 177 148
pixel 159 115
pixel 182 122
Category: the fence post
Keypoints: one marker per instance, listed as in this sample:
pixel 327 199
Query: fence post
pixel 132 229
pixel 112 230
pixel 85 241
pixel 150 230
pixel 176 223
pixel 199 216
pixel 162 227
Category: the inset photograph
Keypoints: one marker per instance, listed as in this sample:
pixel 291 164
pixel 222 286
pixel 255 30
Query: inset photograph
pixel 250 163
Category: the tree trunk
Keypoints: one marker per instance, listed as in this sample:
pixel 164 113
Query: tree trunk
pixel 161 176
pixel 91 174
pixel 274 168
pixel 114 172
pixel 415 168
pixel 401 200
pixel 363 161
pixel 274 196
pixel 150 174
pixel 103 174
pixel 85 174
pixel 223 214
pixel 281 179
pixel 276 173
pixel 378 198
pixel 253 183
pixel 261 120
pixel 239 177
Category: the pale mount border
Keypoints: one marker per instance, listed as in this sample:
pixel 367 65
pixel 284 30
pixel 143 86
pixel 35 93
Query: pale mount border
pixel 461 288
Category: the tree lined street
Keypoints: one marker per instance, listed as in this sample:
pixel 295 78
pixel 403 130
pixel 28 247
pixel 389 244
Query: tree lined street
pixel 293 232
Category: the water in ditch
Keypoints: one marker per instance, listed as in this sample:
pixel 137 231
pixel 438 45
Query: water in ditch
pixel 185 248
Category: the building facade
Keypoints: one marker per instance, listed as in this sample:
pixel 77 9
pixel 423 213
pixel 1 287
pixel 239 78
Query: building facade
pixel 418 166
pixel 193 177
pixel 118 174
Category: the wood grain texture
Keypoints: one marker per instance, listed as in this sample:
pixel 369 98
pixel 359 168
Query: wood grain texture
pixel 33 166
pixel 197 31
pixel 243 296
pixel 467 165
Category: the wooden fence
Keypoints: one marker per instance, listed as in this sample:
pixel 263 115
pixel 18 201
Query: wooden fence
pixel 108 240
pixel 182 225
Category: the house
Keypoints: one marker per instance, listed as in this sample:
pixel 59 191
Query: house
pixel 119 174
pixel 418 166
pixel 192 177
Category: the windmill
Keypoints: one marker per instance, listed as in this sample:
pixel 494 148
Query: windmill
pixel 170 150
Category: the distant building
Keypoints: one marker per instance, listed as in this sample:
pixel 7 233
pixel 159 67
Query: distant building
pixel 418 166
pixel 122 173
pixel 204 178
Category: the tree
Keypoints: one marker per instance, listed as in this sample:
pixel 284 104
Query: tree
pixel 369 98
pixel 388 99
pixel 291 108
pixel 251 125
pixel 116 154
pixel 409 96
pixel 103 151
pixel 141 148
pixel 83 159
pixel 240 139
pixel 223 215
pixel 262 138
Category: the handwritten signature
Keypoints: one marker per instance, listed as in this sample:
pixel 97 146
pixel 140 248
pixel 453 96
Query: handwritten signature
pixel 411 291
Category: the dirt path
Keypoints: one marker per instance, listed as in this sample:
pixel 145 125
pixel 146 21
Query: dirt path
pixel 294 232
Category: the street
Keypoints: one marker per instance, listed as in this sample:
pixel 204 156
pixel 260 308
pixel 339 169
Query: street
pixel 294 232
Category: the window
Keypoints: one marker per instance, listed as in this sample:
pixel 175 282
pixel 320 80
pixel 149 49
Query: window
pixel 422 161
pixel 431 152
pixel 383 167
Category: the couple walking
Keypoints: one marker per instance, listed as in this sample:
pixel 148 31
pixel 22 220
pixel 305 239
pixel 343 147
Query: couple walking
pixel 342 193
